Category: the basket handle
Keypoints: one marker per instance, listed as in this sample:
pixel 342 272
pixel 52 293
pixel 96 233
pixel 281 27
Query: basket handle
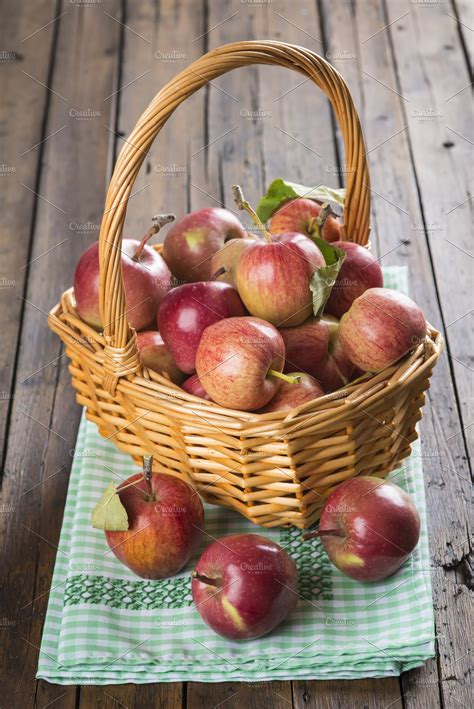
pixel 121 355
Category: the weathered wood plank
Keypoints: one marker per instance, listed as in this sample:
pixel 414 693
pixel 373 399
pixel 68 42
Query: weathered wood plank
pixel 342 694
pixel 442 147
pixel 462 12
pixel 439 118
pixel 44 415
pixel 400 237
pixel 235 695
pixel 150 58
pixel 159 41
pixel 26 53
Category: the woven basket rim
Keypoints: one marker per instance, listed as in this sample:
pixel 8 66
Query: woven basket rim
pixel 350 396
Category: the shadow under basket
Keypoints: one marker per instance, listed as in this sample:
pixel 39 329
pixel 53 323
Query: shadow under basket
pixel 278 468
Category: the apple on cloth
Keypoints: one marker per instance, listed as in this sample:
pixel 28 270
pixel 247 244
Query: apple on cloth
pixel 105 622
pixel 368 527
pixel 244 585
pixel 153 522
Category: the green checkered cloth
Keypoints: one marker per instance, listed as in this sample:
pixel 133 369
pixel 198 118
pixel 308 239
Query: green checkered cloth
pixel 104 625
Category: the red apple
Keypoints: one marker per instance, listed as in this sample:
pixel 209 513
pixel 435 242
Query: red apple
pixel 244 585
pixel 193 240
pixel 314 348
pixel 165 517
pixel 155 355
pixel 292 394
pixel 273 278
pixel 229 256
pixel 381 326
pixel 146 278
pixel 368 528
pixel 301 215
pixel 236 362
pixel 193 386
pixel 359 271
pixel 187 310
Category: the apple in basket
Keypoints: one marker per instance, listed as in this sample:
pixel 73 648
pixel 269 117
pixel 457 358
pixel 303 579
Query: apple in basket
pixel 191 243
pixel 368 528
pixel 188 310
pixel 273 274
pixel 158 526
pixel 239 362
pixel 359 271
pixel 381 326
pixel 193 386
pixel 307 217
pixel 146 279
pixel 314 347
pixel 228 257
pixel 155 355
pixel 292 394
pixel 244 585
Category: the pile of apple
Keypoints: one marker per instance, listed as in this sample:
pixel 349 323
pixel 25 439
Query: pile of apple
pixel 260 322
pixel 244 585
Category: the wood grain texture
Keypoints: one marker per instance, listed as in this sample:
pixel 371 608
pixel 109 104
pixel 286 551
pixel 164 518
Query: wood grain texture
pixel 438 115
pixel 45 416
pixel 400 236
pixel 235 695
pixel 357 694
pixel 24 74
pixel 423 57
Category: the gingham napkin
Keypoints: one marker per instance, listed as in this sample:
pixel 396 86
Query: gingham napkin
pixel 104 625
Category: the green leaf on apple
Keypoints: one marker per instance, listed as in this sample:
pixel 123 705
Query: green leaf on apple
pixel 280 191
pixel 323 279
pixel 109 514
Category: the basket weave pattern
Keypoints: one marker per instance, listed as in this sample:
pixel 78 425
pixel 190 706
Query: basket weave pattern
pixel 277 468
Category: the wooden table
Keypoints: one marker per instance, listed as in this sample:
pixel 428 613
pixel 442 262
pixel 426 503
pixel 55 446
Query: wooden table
pixel 75 76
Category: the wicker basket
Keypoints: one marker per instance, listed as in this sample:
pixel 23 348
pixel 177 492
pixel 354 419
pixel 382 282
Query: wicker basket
pixel 276 469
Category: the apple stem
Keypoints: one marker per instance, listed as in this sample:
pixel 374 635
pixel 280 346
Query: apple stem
pixel 290 378
pixel 242 203
pixel 147 473
pixel 160 220
pixel 323 533
pixel 318 222
pixel 205 579
pixel 220 272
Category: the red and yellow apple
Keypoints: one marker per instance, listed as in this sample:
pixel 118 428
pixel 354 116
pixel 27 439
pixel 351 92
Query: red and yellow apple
pixel 359 271
pixel 155 355
pixel 165 523
pixel 368 528
pixel 244 585
pixel 292 394
pixel 380 327
pixel 238 361
pixel 193 240
pixel 313 347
